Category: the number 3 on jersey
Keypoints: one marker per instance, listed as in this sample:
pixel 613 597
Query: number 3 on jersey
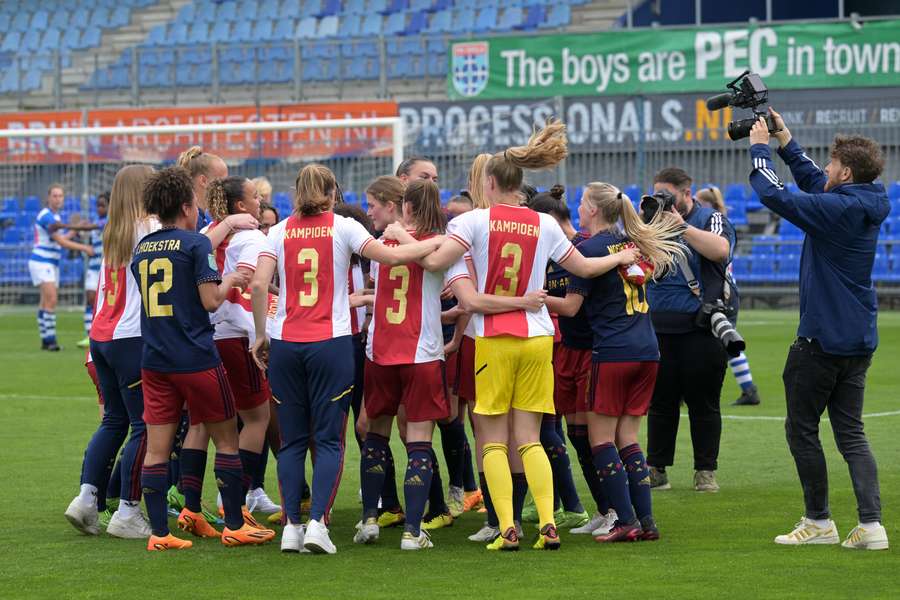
pixel 395 317
pixel 150 293
pixel 309 258
pixel 511 272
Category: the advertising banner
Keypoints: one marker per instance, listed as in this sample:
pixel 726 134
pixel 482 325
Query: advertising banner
pixel 231 146
pixel 653 61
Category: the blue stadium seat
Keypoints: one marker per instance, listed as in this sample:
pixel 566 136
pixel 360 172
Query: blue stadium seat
pixel 377 6
pixel 395 24
pixel 284 30
pixel 291 9
pixel 198 33
pixel 157 36
pixel 221 32
pixel 372 25
pixel 61 19
pixel 881 269
pixel 737 214
pixel 735 193
pixel 534 18
pixel 420 5
pixel 633 192
pixel 21 21
pixel 328 27
pixel 268 9
pixel 417 22
pixel 789 230
pixel 11 42
pixel 486 19
pixel 227 11
pixel 559 16
pixel 463 19
pixel 189 13
pixel 329 8
pixel 440 22
pixel 312 7
pixel 788 267
pixel 40 20
pixel 437 65
pixel 99 17
pixel 511 19
pixel 32 205
pixel 894 190
pixel 762 267
pixel 263 30
pixel 764 244
pixel 306 28
pixel 395 6
pixel 740 267
pixel 120 17
pixel 242 31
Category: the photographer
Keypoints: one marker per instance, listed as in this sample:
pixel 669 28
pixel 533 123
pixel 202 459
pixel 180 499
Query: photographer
pixel 692 360
pixel 841 210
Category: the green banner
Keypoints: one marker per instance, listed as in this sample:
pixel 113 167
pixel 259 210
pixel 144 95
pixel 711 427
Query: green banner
pixel 653 61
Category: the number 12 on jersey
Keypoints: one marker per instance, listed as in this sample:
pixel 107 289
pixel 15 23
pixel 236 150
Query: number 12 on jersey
pixel 150 292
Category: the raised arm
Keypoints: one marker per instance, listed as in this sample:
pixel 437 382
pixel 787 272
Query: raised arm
pixel 65 242
pixel 229 224
pixel 595 266
pixel 809 177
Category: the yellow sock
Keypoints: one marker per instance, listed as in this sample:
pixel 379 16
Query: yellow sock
pixel 540 480
pixel 499 480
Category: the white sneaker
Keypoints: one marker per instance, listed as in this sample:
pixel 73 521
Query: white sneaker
pixel 133 527
pixel 258 501
pixel 317 540
pixel 292 538
pixel 596 522
pixel 485 534
pixel 411 542
pixel 367 531
pixel 870 538
pixel 807 532
pixel 83 517
pixel 607 524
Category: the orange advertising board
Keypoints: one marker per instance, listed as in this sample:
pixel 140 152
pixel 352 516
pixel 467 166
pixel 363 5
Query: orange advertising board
pixel 303 144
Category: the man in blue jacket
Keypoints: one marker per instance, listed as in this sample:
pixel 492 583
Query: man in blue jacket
pixel 841 210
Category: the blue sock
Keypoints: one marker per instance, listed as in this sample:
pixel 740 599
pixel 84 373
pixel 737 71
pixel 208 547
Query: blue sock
pixel 614 480
pixel 437 505
pixel 389 499
pixel 555 447
pixel 453 440
pixel 259 478
pixel 193 468
pixel 740 368
pixel 154 482
pixel 42 326
pixel 578 435
pixel 372 468
pixel 88 318
pixel 50 321
pixel 488 505
pixel 249 466
pixel 638 479
pixel 228 477
pixel 469 483
pixel 520 490
pixel 417 483
pixel 174 456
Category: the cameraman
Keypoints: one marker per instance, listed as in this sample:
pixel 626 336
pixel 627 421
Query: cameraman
pixel 692 360
pixel 841 210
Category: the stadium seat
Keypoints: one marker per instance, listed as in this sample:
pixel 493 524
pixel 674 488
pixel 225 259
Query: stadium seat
pixel 328 27
pixel 372 25
pixel 306 28
pixel 99 17
pixel 762 268
pixel 486 19
pixel 221 32
pixel 32 205
pixel 511 19
pixel 789 230
pixel 227 11
pixel 534 18
pixel 395 6
pixel 329 8
pixel 463 19
pixel 291 9
pixel 61 19
pixel 764 244
pixel 788 267
pixel 894 190
pixel 376 6
pixel 559 16
pixel 21 21
pixel 440 22
pixel 284 30
pixel 417 22
pixel 120 17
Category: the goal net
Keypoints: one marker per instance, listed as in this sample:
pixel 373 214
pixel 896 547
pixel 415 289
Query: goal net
pixel 85 160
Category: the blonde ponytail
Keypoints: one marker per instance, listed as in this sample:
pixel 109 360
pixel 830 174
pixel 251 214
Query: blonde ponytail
pixel 658 240
pixel 476 181
pixel 545 149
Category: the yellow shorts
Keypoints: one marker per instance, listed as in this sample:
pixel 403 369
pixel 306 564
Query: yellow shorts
pixel 513 372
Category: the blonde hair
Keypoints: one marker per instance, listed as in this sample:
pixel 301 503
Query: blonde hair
pixel 315 187
pixel 263 187
pixel 55 186
pixel 387 188
pixel 544 149
pixel 196 161
pixel 476 181
pixel 658 240
pixel 712 196
pixel 126 210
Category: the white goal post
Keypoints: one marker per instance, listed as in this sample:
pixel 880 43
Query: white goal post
pixel 86 159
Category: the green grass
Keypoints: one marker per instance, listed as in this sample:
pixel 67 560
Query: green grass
pixel 712 545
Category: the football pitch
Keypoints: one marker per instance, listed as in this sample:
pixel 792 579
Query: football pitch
pixel 712 546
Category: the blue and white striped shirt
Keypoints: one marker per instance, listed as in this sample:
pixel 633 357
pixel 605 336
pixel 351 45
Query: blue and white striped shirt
pixel 46 250
pixel 97 244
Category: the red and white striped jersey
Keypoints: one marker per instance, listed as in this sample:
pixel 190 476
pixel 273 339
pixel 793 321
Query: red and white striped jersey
pixel 510 248
pixel 406 319
pixel 313 256
pixel 234 318
pixel 358 314
pixel 117 313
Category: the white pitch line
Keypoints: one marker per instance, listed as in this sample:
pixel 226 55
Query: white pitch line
pixel 890 413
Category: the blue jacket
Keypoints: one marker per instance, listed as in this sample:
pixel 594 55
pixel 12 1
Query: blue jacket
pixel 838 305
pixel 673 305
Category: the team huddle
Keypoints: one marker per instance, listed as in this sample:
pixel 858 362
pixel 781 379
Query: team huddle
pixel 216 320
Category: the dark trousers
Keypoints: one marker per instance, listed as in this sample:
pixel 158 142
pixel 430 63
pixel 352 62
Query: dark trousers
pixel 813 382
pixel 691 368
pixel 312 384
